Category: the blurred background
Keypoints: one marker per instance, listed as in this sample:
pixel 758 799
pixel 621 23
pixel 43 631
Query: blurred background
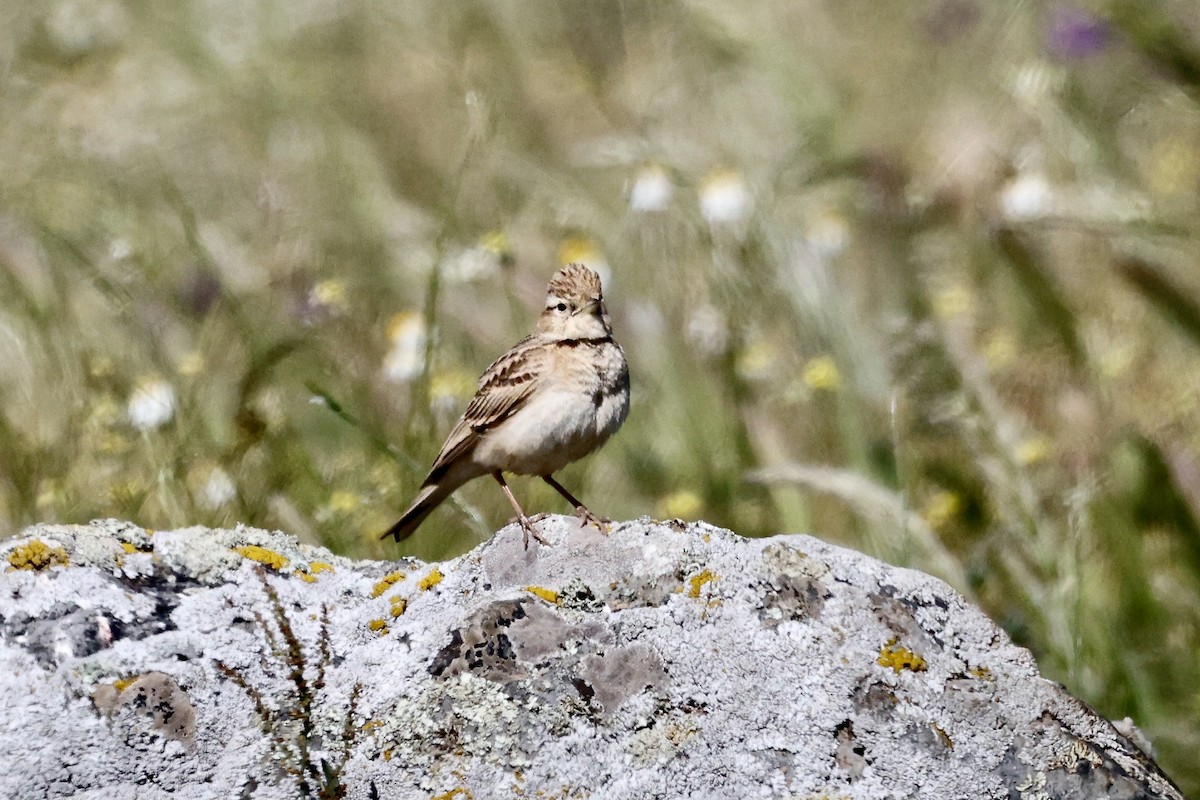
pixel 917 277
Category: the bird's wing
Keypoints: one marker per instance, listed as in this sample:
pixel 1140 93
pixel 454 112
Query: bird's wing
pixel 503 388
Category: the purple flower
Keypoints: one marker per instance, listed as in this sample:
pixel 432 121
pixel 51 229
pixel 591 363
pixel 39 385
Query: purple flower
pixel 1076 33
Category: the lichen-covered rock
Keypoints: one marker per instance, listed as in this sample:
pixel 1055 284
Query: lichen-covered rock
pixel 659 661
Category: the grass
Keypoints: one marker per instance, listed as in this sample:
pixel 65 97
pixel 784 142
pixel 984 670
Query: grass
pixel 915 278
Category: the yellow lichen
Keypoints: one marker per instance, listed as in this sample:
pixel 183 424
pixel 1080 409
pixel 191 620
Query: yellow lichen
pixel 697 582
pixel 453 793
pixel 262 555
pixel 121 684
pixel 431 580
pixel 944 737
pixel 380 626
pixel 549 595
pixel 900 658
pixel 128 547
pixel 314 569
pixel 386 582
pixel 399 606
pixel 36 555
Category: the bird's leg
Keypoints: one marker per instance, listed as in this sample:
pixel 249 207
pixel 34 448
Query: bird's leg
pixel 526 524
pixel 587 517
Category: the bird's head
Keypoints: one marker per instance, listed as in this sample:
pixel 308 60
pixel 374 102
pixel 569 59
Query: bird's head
pixel 574 306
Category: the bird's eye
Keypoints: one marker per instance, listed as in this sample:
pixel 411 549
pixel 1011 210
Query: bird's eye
pixel 561 307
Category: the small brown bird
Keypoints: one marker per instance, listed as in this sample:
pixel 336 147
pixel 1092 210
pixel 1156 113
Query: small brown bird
pixel 556 396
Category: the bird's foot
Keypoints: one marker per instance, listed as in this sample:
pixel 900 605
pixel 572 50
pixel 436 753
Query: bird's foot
pixel 602 524
pixel 527 529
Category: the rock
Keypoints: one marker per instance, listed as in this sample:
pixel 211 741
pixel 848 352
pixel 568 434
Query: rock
pixel 663 660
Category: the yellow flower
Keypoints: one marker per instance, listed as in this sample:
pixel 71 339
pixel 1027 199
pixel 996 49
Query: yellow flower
pixel 1032 450
pixel 1174 166
pixel 680 505
pixel 343 501
pixel 953 301
pixel 49 494
pixel 821 374
pixel 102 367
pixel 1115 360
pixel 122 493
pixel 496 243
pixel 578 249
pixel 191 364
pixel 331 294
pixel 999 349
pixel 447 387
pixel 756 359
pixel 941 508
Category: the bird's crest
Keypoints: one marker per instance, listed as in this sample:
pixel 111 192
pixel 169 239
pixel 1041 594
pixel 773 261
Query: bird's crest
pixel 576 282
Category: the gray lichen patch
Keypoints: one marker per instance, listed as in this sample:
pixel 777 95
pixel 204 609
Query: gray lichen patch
pixel 482 646
pixel 794 585
pixel 644 591
pixel 154 701
pixel 665 741
pixel 445 725
pixel 617 673
pixel 544 634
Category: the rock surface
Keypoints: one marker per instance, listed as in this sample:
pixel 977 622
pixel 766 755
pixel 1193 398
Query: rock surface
pixel 660 661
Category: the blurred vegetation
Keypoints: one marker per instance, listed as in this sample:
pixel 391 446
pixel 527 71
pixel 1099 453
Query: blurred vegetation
pixel 918 277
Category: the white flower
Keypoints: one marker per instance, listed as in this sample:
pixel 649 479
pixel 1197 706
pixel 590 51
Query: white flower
pixel 482 260
pixel 724 198
pixel 652 189
pixel 1027 196
pixel 152 404
pixel 406 359
pixel 218 490
pixel 707 331
pixel 827 234
pixel 469 264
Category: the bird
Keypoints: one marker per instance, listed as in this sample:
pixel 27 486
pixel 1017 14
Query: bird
pixel 554 397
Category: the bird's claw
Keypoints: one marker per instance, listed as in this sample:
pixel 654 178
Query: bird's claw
pixel 528 530
pixel 602 524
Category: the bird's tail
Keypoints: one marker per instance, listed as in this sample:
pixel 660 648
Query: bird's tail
pixel 430 497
